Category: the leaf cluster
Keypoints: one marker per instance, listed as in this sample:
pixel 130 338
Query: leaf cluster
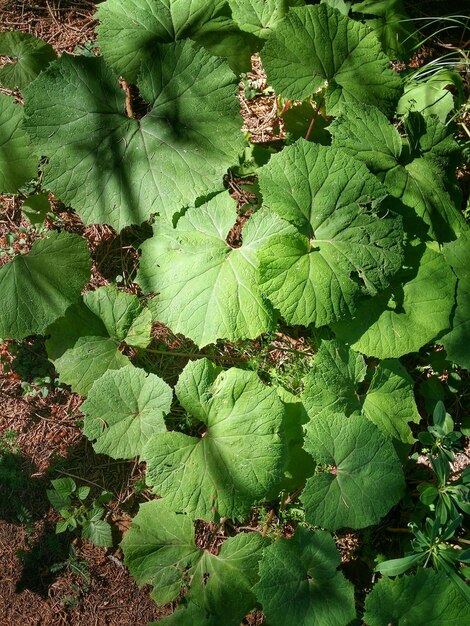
pixel 358 241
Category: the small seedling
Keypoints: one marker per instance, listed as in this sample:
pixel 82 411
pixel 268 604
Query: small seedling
pixel 70 501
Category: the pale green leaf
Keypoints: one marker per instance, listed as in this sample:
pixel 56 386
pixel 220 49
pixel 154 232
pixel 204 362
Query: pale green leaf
pixel 457 340
pixel 122 315
pixel 237 460
pixel 119 170
pixel 207 289
pixel 29 56
pixel 299 582
pixel 316 49
pixel 124 409
pixel 359 477
pixel 18 163
pixel 348 247
pixel 433 94
pixel 413 171
pixel 389 401
pixel 98 532
pixel 413 312
pixel 87 361
pixel 429 598
pixel 38 287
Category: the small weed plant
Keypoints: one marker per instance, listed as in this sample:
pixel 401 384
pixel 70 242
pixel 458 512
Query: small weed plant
pixel 357 245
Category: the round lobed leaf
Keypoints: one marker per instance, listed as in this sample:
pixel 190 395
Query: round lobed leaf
pixel 347 247
pixel 315 48
pixel 362 476
pixel 238 459
pixel 38 287
pixel 118 170
pixel 124 408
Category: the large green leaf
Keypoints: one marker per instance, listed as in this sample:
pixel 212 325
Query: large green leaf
pixel 160 550
pixel 131 30
pixel 30 56
pixel 299 582
pixel 415 310
pixel 207 289
pixel 124 408
pixel 392 25
pixel 428 598
pixel 457 340
pixel 18 164
pixel 333 385
pixel 38 287
pixel 413 170
pixel 85 343
pixel 239 456
pixel 315 48
pixel 347 246
pixel 118 170
pixel 260 16
pixel 359 477
pixel 222 585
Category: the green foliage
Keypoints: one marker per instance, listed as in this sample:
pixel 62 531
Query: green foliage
pixel 124 409
pixel 238 457
pixel 29 56
pixel 339 57
pixel 426 599
pixel 304 567
pixel 17 162
pixel 160 550
pixel 356 234
pixel 358 478
pixel 181 262
pixel 85 343
pixel 346 246
pixel 70 501
pixel 38 287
